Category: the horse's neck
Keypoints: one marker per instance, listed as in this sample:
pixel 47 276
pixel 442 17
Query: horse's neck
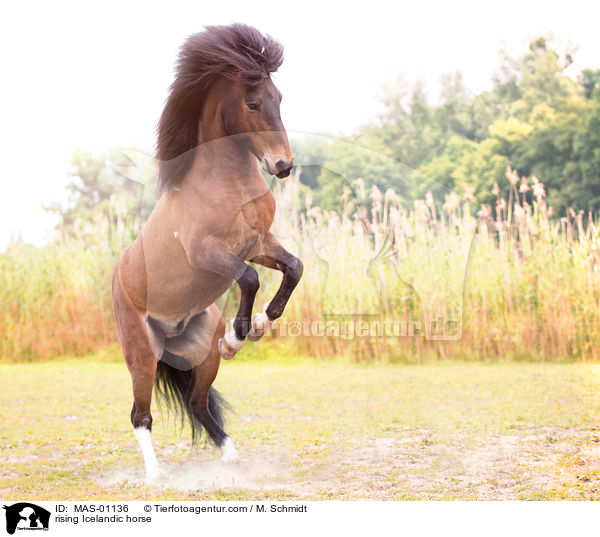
pixel 225 173
pixel 224 169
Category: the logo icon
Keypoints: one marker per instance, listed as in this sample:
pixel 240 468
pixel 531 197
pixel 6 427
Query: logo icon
pixel 26 516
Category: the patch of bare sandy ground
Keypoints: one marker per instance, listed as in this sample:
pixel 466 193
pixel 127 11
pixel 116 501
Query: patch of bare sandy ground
pixel 542 463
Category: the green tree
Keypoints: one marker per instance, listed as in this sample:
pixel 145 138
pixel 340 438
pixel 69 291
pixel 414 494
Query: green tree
pixel 535 118
pixel 95 180
pixel 311 153
pixel 541 79
pixel 353 160
pixel 590 81
pixel 455 114
pixel 406 130
pixel 587 148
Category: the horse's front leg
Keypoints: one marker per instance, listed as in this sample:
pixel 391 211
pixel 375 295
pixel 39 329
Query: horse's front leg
pixel 275 256
pixel 216 257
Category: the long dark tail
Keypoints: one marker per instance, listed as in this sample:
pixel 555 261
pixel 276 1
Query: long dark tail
pixel 174 386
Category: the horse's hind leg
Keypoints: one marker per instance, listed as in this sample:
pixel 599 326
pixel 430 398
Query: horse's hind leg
pixel 141 363
pixel 206 403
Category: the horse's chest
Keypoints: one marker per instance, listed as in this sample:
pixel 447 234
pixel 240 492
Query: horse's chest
pixel 258 214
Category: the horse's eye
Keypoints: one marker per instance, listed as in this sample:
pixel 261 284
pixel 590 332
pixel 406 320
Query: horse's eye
pixel 252 106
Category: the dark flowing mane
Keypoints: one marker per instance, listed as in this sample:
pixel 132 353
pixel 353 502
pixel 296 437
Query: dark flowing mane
pixel 230 51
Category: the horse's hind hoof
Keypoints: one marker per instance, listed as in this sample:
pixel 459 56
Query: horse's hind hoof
pixel 229 345
pixel 154 475
pixel 229 452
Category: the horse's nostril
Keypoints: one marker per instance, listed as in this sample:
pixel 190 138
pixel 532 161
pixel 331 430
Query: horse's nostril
pixel 282 165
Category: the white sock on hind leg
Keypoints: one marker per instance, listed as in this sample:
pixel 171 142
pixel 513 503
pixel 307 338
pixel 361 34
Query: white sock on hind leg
pixel 230 454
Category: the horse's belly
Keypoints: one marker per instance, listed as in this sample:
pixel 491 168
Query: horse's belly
pixel 173 299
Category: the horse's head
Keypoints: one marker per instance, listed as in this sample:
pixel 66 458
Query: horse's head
pixel 223 93
pixel 252 110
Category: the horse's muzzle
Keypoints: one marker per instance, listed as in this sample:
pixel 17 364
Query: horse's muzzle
pixel 283 168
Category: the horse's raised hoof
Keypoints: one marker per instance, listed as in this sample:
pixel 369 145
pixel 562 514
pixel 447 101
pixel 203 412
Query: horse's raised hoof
pixel 260 324
pixel 229 345
pixel 230 454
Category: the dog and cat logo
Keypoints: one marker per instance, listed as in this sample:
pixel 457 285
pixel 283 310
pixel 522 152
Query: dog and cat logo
pixel 26 516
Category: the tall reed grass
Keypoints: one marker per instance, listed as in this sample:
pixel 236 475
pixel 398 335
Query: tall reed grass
pixel 57 299
pixel 519 284
pixel 512 281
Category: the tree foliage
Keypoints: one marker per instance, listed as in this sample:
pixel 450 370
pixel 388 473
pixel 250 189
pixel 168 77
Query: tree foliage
pixel 96 180
pixel 535 118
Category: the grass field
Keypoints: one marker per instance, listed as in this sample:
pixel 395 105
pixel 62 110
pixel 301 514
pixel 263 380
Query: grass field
pixel 313 430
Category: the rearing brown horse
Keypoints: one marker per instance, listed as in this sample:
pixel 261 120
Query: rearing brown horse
pixel 214 213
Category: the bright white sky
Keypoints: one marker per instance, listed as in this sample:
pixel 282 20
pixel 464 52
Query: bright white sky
pixel 79 76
